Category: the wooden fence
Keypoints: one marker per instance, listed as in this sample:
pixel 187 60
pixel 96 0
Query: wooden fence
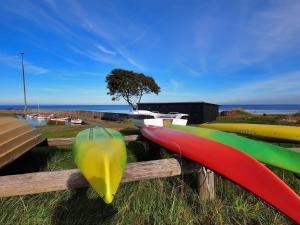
pixel 33 183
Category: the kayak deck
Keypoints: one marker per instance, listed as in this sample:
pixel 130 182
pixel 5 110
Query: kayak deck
pixel 290 133
pixel 100 155
pixel 264 152
pixel 232 164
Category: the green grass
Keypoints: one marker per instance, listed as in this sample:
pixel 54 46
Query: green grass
pixel 297 113
pixel 250 119
pixel 276 119
pixel 71 131
pixel 158 201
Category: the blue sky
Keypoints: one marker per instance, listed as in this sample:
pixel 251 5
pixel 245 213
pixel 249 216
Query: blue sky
pixel 216 51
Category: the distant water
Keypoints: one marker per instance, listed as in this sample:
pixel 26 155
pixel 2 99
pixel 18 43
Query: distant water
pixel 267 109
pixel 257 109
pixel 97 108
pixel 33 122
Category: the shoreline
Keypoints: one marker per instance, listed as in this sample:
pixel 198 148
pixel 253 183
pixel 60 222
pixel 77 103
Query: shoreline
pixel 285 109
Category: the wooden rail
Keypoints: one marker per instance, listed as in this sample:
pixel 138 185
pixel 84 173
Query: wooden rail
pixel 70 141
pixel 33 183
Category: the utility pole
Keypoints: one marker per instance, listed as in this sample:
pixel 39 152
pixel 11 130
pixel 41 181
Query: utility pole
pixel 24 84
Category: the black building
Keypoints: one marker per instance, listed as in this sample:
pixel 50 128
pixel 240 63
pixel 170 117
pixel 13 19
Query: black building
pixel 199 112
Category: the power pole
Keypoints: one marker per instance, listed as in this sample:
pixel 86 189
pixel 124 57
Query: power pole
pixel 24 84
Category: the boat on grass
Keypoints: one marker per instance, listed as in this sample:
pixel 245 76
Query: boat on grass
pixel 144 117
pixel 63 119
pixel 16 138
pixel 76 121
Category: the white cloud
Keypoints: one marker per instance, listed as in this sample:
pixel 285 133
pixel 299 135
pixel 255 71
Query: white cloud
pixel 191 70
pixel 15 62
pixel 130 60
pixel 281 88
pixel 263 35
pixel 175 85
pixel 103 49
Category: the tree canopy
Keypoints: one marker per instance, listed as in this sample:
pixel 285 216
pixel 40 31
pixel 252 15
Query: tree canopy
pixel 130 86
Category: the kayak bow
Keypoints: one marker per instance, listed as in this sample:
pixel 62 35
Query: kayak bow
pixel 100 154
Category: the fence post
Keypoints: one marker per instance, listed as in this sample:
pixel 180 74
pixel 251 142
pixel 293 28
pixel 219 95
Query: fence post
pixel 206 184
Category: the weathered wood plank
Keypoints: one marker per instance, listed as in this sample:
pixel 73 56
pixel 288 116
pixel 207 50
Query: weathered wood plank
pixel 70 141
pixel 60 141
pixel 206 184
pixel 33 183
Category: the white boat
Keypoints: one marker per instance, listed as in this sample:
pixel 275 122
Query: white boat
pixel 144 117
pixel 42 117
pixel 76 121
pixel 31 116
pixel 60 119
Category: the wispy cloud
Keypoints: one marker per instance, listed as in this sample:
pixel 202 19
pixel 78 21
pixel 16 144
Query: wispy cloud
pixel 95 28
pixel 265 91
pixel 94 55
pixel 15 62
pixel 44 89
pixel 267 32
pixel 103 49
pixel 75 75
pixel 117 37
pixel 130 60
pixel 278 83
pixel 241 50
pixel 190 70
pixel 175 85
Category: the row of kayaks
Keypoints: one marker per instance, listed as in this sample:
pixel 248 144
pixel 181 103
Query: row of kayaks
pixel 278 132
pixel 100 154
pixel 270 154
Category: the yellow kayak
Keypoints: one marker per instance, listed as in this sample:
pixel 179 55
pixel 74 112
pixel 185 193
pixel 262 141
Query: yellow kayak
pixel 100 154
pixel 290 133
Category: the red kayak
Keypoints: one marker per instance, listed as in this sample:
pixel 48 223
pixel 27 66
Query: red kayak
pixel 232 164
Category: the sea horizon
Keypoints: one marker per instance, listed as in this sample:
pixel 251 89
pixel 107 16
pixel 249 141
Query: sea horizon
pixel 123 108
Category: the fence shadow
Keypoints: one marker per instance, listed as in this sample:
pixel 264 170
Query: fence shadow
pixel 34 160
pixel 130 131
pixel 81 208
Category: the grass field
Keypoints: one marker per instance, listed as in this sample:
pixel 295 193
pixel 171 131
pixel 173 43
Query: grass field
pixel 159 201
pixel 241 116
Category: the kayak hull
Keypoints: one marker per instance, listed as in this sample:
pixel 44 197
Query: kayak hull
pixel 264 152
pixel 100 155
pixel 232 164
pixel 289 133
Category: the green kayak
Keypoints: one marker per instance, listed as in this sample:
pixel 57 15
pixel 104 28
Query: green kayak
pixel 266 153
pixel 100 154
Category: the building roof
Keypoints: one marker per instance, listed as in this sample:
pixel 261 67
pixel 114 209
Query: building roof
pixel 179 103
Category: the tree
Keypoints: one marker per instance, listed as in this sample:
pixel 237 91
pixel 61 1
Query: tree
pixel 130 86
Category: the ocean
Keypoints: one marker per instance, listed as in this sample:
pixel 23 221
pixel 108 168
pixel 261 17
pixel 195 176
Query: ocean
pixel 256 109
pixel 267 109
pixel 97 108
